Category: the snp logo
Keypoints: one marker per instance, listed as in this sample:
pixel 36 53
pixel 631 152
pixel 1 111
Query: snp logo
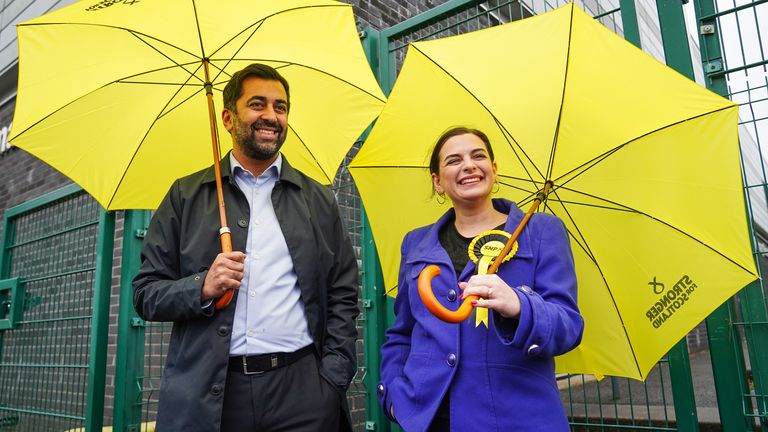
pixel 103 4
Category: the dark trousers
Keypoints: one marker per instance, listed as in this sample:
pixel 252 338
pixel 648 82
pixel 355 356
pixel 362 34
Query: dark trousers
pixel 442 420
pixel 291 398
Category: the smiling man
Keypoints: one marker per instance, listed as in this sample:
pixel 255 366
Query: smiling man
pixel 281 356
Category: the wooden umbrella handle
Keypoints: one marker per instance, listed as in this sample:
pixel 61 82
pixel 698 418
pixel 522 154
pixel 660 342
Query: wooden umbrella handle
pixel 226 246
pixel 430 271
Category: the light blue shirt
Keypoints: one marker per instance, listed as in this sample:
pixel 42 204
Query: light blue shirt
pixel 269 314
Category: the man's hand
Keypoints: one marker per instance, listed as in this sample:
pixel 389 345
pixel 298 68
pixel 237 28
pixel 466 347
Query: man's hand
pixel 225 273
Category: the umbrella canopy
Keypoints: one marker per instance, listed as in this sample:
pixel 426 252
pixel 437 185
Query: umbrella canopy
pixel 112 93
pixel 644 165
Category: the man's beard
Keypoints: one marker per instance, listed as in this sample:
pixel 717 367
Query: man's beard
pixel 245 137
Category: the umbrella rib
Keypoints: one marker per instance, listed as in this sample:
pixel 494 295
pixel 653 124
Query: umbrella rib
pixel 551 163
pixel 258 25
pixel 119 80
pixel 197 26
pixel 532 195
pixel 599 158
pixel 310 153
pixel 231 58
pixel 583 245
pixel 389 166
pixel 107 26
pixel 146 72
pixel 625 208
pixel 136 35
pixel 506 133
pixel 511 186
pixel 143 139
pixel 166 112
pixel 261 21
pixel 503 128
pixel 320 71
pixel 88 94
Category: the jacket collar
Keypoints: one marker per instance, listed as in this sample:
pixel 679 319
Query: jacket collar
pixel 287 172
pixel 425 249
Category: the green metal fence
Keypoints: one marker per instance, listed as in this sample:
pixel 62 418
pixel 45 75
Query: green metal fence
pixel 55 266
pixel 733 37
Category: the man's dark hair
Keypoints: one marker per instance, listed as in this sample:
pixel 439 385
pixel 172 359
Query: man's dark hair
pixel 234 88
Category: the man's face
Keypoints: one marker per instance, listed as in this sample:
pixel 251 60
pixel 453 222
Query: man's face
pixel 260 123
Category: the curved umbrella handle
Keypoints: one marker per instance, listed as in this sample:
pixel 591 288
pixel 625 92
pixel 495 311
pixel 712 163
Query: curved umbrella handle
pixel 434 306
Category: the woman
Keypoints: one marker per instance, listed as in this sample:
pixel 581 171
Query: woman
pixel 438 376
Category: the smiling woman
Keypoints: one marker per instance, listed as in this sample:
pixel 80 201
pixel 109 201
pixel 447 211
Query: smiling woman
pixel 533 317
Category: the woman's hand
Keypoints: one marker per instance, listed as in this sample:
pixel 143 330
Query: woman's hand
pixel 494 294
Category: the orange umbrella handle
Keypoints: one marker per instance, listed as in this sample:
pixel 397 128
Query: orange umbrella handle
pixel 226 246
pixel 434 306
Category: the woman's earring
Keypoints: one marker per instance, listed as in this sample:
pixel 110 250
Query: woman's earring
pixel 497 186
pixel 439 197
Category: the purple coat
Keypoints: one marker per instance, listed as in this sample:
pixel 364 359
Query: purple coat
pixel 500 378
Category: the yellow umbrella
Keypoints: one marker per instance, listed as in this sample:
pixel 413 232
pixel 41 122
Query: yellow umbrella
pixel 112 94
pixel 644 165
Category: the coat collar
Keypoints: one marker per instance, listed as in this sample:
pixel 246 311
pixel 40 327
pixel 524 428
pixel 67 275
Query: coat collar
pixel 425 249
pixel 287 172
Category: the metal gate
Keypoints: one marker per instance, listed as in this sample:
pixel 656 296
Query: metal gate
pixel 55 266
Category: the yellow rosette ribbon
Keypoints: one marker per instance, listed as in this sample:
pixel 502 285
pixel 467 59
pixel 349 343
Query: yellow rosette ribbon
pixel 483 249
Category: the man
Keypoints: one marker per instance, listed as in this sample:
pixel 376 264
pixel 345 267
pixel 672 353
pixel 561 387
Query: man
pixel 281 356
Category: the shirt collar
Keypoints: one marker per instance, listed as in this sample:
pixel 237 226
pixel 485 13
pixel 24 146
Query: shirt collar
pixel 273 170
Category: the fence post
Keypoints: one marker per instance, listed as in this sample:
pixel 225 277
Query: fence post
pixel 629 19
pixel 678 56
pixel 129 360
pixel 374 305
pixel 97 368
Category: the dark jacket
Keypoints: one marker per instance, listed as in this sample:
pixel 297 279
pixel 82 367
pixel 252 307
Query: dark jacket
pixel 182 242
pixel 500 378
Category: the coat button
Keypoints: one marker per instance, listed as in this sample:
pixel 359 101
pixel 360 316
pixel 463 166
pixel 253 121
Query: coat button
pixel 451 295
pixel 242 223
pixel 216 389
pixel 380 389
pixel 222 331
pixel 534 350
pixel 526 289
pixel 451 360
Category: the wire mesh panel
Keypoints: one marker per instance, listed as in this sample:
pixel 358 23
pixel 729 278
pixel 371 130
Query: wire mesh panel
pixel 734 48
pixel 349 203
pixel 44 358
pixel 157 336
pixel 484 14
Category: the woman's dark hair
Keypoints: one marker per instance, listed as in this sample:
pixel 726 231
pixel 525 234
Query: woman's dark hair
pixel 434 160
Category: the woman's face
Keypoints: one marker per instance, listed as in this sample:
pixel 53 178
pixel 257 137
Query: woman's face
pixel 466 172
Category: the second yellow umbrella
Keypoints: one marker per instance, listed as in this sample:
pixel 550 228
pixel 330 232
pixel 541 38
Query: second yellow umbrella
pixel 644 166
